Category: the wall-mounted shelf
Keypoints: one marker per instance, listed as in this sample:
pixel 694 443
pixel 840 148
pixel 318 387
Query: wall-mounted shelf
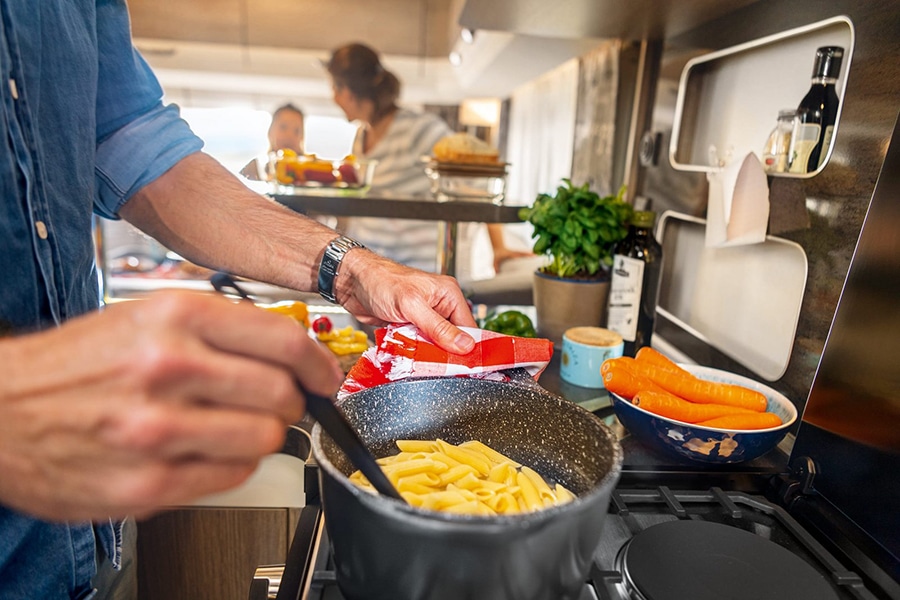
pixel 729 100
pixel 744 301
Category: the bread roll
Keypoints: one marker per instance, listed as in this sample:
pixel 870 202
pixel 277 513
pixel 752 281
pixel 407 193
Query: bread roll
pixel 464 148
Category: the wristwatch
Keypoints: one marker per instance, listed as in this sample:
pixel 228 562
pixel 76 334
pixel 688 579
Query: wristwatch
pixel 331 263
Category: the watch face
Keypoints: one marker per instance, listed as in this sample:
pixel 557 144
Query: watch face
pixel 331 260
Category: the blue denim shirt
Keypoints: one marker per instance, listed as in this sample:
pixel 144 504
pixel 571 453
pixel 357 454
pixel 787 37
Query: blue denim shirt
pixel 83 128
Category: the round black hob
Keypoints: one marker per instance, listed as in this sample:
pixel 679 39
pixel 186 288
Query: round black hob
pixel 700 560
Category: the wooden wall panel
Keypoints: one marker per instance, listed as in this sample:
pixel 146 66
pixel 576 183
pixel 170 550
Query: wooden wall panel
pixel 210 553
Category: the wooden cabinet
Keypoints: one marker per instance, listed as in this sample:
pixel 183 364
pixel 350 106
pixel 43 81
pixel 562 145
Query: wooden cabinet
pixel 210 553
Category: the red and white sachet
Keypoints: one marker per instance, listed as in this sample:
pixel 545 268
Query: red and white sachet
pixel 402 352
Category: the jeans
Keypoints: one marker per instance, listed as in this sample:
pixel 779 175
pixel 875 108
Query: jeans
pixel 122 584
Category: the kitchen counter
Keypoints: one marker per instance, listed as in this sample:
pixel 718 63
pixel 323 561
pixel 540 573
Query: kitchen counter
pixel 395 207
pixel 640 462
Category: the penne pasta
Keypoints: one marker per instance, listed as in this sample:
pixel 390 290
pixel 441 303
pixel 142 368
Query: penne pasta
pixel 456 473
pixel 529 492
pixel 443 500
pixel 488 452
pixel 404 485
pixel 466 457
pixel 502 473
pixel 411 467
pixel 472 507
pixel 425 446
pixel 545 494
pixel 503 503
pixel 413 499
pixel 563 495
pixel 405 456
pixel 427 479
pixel 470 482
pixel 443 458
pixel 469 478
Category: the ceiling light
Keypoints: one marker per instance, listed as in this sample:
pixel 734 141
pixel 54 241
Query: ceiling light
pixel 455 59
pixel 467 35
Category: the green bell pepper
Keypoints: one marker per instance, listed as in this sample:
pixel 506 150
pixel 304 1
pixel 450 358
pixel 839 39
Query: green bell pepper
pixel 511 322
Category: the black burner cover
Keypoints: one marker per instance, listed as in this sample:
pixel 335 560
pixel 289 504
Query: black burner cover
pixel 700 560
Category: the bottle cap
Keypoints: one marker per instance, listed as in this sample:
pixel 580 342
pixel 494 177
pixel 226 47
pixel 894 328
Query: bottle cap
pixel 828 61
pixel 643 218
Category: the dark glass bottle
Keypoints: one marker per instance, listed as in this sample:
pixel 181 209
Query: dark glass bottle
pixel 634 283
pixel 817 112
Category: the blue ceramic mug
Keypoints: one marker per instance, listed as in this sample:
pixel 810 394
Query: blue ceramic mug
pixel 583 351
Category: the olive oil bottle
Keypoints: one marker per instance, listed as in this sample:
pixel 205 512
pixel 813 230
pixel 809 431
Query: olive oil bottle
pixel 634 283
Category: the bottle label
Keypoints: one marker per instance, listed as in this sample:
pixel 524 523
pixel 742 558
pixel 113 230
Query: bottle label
pixel 826 143
pixel 625 296
pixel 806 136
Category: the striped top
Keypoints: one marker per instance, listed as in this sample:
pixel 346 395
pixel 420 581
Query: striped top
pixel 400 172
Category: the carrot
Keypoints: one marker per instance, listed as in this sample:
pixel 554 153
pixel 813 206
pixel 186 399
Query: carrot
pixel 762 420
pixel 701 391
pixel 670 406
pixel 618 379
pixel 650 356
pixel 619 361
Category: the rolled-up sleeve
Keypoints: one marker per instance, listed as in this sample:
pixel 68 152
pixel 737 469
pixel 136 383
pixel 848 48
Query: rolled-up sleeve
pixel 138 138
pixel 139 152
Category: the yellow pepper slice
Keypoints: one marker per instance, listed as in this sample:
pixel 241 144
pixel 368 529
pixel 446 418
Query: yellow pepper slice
pixel 292 308
pixel 344 341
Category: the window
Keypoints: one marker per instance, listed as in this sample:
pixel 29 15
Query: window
pixel 235 135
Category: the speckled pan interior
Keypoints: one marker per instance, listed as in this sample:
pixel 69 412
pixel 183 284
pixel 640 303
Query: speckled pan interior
pixel 560 440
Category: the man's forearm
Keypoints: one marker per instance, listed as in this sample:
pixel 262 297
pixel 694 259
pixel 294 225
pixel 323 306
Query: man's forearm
pixel 207 215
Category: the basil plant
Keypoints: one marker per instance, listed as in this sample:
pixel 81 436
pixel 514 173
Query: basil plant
pixel 577 228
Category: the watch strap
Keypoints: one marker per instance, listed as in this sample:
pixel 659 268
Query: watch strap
pixel 331 264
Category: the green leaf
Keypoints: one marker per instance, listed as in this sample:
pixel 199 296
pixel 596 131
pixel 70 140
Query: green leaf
pixel 577 228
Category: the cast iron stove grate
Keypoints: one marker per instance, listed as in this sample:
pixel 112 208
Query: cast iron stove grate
pixel 762 549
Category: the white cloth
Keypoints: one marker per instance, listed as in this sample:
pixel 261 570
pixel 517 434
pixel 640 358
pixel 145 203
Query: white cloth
pixel 737 213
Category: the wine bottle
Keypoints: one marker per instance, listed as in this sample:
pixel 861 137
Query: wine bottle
pixel 817 112
pixel 634 283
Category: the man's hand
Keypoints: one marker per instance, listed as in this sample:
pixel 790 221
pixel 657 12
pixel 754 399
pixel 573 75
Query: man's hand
pixel 376 291
pixel 149 403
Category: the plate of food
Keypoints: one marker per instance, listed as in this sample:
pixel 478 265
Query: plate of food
pixel 309 174
pixel 463 167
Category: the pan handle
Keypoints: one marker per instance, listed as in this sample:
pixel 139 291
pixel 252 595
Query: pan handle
pixel 298 441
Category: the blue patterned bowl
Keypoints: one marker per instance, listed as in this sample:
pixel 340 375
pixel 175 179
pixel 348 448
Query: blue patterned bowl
pixel 707 444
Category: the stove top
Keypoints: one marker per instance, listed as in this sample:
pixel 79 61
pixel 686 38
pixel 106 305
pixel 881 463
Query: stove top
pixel 699 544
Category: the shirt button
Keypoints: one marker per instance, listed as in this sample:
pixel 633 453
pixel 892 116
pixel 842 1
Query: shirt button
pixel 41 230
pixel 13 90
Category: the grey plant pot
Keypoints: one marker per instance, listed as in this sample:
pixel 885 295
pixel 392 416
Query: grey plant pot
pixel 564 303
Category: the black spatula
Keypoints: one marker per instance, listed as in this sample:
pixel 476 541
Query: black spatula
pixel 329 416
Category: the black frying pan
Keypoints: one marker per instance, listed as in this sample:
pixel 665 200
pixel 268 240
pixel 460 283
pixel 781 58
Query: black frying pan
pixel 385 549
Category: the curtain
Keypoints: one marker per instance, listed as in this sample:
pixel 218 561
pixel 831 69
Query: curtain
pixel 541 132
pixel 539 147
pixel 595 123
